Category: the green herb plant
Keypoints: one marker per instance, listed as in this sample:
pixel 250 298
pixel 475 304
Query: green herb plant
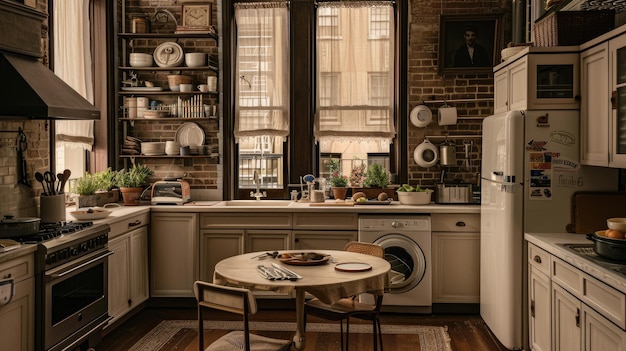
pixel 135 177
pixel 376 176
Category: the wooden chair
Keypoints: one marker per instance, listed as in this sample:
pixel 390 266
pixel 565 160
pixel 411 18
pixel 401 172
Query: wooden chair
pixel 234 300
pixel 351 307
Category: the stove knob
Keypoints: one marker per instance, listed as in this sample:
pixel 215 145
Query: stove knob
pixel 74 251
pixel 83 247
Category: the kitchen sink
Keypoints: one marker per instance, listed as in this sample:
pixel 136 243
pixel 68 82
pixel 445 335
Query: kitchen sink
pixel 255 203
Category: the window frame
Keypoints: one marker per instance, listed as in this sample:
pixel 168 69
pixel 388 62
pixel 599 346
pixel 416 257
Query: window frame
pixel 300 151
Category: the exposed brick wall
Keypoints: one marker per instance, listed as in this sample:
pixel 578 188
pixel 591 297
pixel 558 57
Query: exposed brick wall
pixel 424 84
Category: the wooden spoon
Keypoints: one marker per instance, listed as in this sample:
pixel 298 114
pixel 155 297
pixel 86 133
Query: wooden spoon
pixel 39 178
pixel 66 176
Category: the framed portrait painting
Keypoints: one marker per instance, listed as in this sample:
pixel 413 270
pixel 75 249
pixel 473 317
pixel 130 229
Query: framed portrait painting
pixel 469 43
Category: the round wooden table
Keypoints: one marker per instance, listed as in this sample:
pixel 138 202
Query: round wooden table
pixel 323 281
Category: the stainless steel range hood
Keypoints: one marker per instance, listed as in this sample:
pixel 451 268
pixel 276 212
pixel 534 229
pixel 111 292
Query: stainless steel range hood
pixel 29 90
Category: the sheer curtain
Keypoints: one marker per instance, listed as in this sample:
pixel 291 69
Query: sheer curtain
pixel 355 72
pixel 262 65
pixel 72 63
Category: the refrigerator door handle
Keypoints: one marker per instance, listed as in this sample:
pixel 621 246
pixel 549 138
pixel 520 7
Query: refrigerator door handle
pixel 498 176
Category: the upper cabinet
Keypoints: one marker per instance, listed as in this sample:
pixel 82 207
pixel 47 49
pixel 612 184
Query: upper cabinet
pixel 603 107
pixel 538 78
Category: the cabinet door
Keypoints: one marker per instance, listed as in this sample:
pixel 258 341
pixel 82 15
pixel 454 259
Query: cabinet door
pixel 617 64
pixel 594 106
pixel 539 310
pixel 216 245
pixel 173 257
pixel 267 240
pixel 501 91
pixel 566 320
pixel 601 334
pixel 456 267
pixel 17 318
pixel 138 266
pixel 119 276
pixel 518 85
pixel 320 240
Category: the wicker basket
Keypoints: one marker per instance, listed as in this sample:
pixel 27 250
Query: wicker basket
pixel 572 27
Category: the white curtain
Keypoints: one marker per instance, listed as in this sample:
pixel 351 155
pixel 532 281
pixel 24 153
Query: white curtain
pixel 355 72
pixel 72 63
pixel 262 66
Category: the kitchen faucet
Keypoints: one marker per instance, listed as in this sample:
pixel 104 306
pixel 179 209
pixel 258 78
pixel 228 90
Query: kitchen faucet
pixel 258 194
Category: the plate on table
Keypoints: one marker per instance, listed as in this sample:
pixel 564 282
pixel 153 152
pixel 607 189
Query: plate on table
pixel 190 134
pixel 353 267
pixel 90 213
pixel 303 259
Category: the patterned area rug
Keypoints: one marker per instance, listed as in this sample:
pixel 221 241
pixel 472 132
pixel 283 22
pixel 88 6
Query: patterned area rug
pixel 430 338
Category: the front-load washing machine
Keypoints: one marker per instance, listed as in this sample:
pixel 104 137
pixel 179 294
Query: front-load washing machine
pixel 407 244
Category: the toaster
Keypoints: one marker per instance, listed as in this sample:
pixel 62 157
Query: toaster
pixel 170 192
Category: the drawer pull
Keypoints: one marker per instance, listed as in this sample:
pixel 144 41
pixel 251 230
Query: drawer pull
pixel 135 223
pixel 532 308
pixel 578 317
pixel 460 224
pixel 537 259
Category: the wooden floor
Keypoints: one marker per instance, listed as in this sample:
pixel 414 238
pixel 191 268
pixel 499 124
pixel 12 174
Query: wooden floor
pixel 468 332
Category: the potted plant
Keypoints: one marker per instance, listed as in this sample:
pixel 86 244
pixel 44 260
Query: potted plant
pixel 339 185
pixel 85 187
pixel 131 183
pixel 375 182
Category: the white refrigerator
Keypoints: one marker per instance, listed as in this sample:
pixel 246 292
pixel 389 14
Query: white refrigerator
pixel 530 169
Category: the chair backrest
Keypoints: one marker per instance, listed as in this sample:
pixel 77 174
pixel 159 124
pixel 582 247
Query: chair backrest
pixel 365 248
pixel 224 298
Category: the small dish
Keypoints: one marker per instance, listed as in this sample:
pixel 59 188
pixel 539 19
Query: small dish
pixel 616 224
pixel 190 134
pixel 353 267
pixel 90 213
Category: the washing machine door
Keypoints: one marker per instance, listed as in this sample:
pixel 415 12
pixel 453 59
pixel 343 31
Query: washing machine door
pixel 408 262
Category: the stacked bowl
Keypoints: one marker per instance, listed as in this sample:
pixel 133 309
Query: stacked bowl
pixel 137 59
pixel 172 148
pixel 153 148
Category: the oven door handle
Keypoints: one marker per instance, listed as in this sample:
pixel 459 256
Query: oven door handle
pixel 84 264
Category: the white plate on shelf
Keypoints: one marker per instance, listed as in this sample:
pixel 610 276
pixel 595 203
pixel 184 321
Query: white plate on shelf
pixel 190 134
pixel 168 54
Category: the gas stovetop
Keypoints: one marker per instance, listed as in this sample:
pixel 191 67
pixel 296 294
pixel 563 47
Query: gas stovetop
pixel 586 251
pixel 48 231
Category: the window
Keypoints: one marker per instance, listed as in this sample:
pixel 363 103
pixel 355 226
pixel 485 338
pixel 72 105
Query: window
pixel 262 103
pixel 355 110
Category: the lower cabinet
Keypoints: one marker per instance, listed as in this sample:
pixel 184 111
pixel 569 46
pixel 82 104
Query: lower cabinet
pixel 322 239
pixel 456 258
pixel 17 315
pixel 128 265
pixel 173 254
pixel 216 245
pixel 570 310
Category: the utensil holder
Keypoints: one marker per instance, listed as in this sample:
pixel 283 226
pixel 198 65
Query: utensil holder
pixel 52 208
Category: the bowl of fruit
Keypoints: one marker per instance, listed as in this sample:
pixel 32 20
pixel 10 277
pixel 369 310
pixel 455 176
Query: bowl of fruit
pixel 610 244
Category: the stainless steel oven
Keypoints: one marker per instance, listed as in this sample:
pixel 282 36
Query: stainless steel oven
pixel 72 288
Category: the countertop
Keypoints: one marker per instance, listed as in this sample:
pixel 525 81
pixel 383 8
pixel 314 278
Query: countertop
pixel 550 241
pixel 394 207
pixel 124 212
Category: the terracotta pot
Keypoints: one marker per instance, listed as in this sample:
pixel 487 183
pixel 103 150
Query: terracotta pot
pixel 340 193
pixel 131 196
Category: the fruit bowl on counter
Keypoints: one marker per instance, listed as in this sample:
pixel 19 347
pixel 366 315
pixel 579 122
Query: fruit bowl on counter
pixel 409 195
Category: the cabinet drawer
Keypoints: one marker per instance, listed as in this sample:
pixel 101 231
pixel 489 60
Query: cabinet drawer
pixel 19 269
pixel 606 300
pixel 570 278
pixel 240 220
pixel 539 259
pixel 326 221
pixel 455 222
pixel 127 224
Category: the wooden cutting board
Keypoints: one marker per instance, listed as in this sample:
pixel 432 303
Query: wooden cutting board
pixel 590 210
pixel 318 204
